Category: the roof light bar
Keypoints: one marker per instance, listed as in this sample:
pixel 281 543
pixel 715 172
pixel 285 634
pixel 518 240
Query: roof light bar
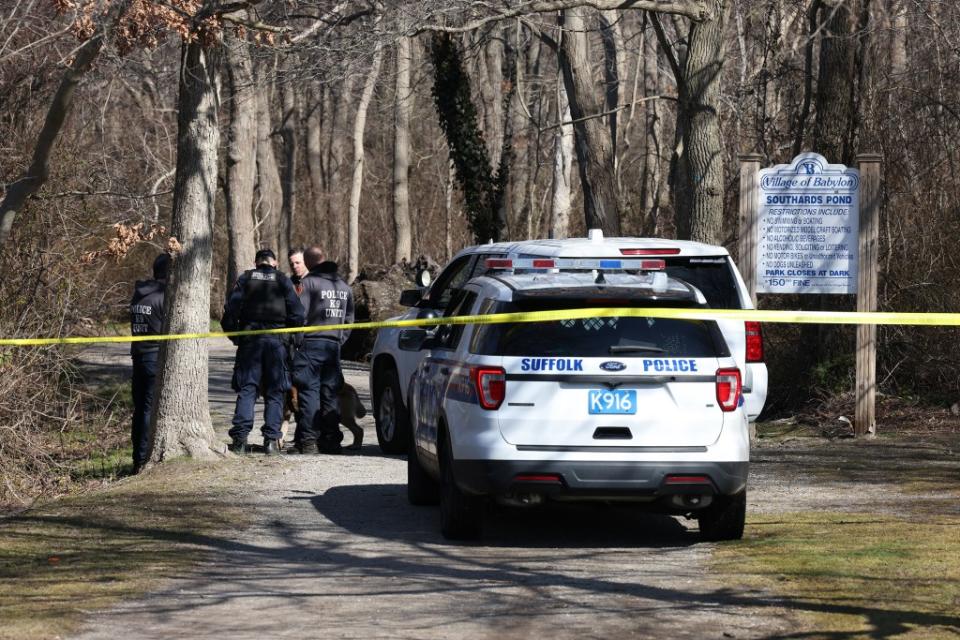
pixel 653 251
pixel 576 264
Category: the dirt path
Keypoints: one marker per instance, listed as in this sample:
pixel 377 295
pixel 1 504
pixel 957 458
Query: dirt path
pixel 337 551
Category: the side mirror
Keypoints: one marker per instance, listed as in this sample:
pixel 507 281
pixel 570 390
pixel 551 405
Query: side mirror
pixel 411 297
pixel 412 339
pixel 423 278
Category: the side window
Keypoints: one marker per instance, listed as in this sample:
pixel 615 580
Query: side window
pixel 453 277
pixel 448 335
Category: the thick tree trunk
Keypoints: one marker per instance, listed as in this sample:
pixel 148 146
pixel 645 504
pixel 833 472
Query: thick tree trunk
pixel 359 128
pixel 594 147
pixel 315 159
pixel 403 248
pixel 700 172
pixel 336 165
pixel 39 170
pixel 269 187
pixel 562 169
pixel 289 119
pixel 653 128
pixel 181 415
pixel 835 83
pixel 241 161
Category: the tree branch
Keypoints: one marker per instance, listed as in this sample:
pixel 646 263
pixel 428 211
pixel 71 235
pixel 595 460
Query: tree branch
pixel 697 10
pixel 606 113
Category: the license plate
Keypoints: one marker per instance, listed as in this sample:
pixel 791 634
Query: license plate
pixel 612 401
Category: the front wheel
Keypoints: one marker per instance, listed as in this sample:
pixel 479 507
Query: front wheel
pixel 724 518
pixel 421 488
pixel 393 431
pixel 461 515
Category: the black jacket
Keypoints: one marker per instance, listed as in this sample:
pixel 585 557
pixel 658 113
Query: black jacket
pixel 263 298
pixel 328 300
pixel 146 314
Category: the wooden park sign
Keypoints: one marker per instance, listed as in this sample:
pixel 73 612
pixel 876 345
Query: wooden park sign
pixel 811 227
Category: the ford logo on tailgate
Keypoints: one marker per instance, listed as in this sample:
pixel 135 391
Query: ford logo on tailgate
pixel 612 365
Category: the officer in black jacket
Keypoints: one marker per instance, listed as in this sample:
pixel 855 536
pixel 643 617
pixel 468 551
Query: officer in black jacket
pixel 328 300
pixel 146 319
pixel 263 298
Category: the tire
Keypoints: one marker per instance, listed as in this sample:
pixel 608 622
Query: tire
pixel 461 515
pixel 393 424
pixel 422 489
pixel 724 519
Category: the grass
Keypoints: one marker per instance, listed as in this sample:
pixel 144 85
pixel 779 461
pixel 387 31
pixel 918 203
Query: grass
pixel 60 561
pixel 854 575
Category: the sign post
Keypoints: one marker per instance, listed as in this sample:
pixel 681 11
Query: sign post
pixel 749 168
pixel 865 423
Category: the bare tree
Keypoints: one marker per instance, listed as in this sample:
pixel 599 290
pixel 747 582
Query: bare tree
pixel 181 415
pixel 359 129
pixel 39 170
pixel 403 249
pixel 241 160
pixel 269 186
pixel 289 121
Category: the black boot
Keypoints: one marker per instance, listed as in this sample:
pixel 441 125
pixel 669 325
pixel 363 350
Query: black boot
pixel 239 445
pixel 271 447
pixel 303 449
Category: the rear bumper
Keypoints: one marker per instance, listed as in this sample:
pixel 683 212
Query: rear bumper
pixel 615 479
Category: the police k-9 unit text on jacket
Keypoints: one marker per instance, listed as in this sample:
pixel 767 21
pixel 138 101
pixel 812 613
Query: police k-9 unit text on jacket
pixel 146 314
pixel 328 300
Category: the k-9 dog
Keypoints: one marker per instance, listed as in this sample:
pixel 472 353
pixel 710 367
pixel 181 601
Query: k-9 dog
pixel 350 410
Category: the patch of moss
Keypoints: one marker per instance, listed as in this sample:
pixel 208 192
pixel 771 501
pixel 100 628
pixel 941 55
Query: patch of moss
pixel 854 575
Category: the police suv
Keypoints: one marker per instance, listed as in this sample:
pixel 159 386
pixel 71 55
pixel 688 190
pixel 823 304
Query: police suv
pixel 396 353
pixel 615 408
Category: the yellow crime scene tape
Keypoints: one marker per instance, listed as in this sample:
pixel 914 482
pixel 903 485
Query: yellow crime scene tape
pixel 791 317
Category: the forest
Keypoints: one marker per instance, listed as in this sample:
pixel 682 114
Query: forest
pixel 389 131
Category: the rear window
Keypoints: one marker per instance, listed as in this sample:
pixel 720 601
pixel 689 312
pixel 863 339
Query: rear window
pixel 713 276
pixel 599 337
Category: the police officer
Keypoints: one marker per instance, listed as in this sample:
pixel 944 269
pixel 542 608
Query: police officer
pixel 263 298
pixel 328 300
pixel 146 319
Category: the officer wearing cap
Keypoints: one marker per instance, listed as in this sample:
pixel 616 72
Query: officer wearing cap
pixel 146 319
pixel 263 298
pixel 328 300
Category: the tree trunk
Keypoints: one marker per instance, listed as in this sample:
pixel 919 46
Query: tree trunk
pixel 653 127
pixel 403 249
pixel 181 414
pixel 700 174
pixel 337 154
pixel 562 168
pixel 594 147
pixel 241 161
pixel 39 170
pixel 289 119
pixel 270 190
pixel 835 83
pixel 316 113
pixel 359 127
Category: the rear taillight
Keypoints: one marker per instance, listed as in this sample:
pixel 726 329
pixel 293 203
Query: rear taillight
pixel 657 251
pixel 491 384
pixel 754 341
pixel 728 388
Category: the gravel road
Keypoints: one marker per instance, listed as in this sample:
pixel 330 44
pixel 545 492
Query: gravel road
pixel 336 551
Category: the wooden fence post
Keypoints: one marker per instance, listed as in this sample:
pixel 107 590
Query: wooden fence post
pixel 865 423
pixel 747 246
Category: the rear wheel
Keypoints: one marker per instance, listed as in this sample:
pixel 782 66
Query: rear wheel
pixel 391 416
pixel 461 515
pixel 724 518
pixel 421 488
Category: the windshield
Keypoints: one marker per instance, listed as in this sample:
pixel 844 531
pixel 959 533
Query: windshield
pixel 599 337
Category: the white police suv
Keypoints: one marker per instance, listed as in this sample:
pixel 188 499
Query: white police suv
pixel 396 353
pixel 618 408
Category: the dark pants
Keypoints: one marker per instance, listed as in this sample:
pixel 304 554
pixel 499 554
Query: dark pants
pixel 144 374
pixel 316 372
pixel 260 368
